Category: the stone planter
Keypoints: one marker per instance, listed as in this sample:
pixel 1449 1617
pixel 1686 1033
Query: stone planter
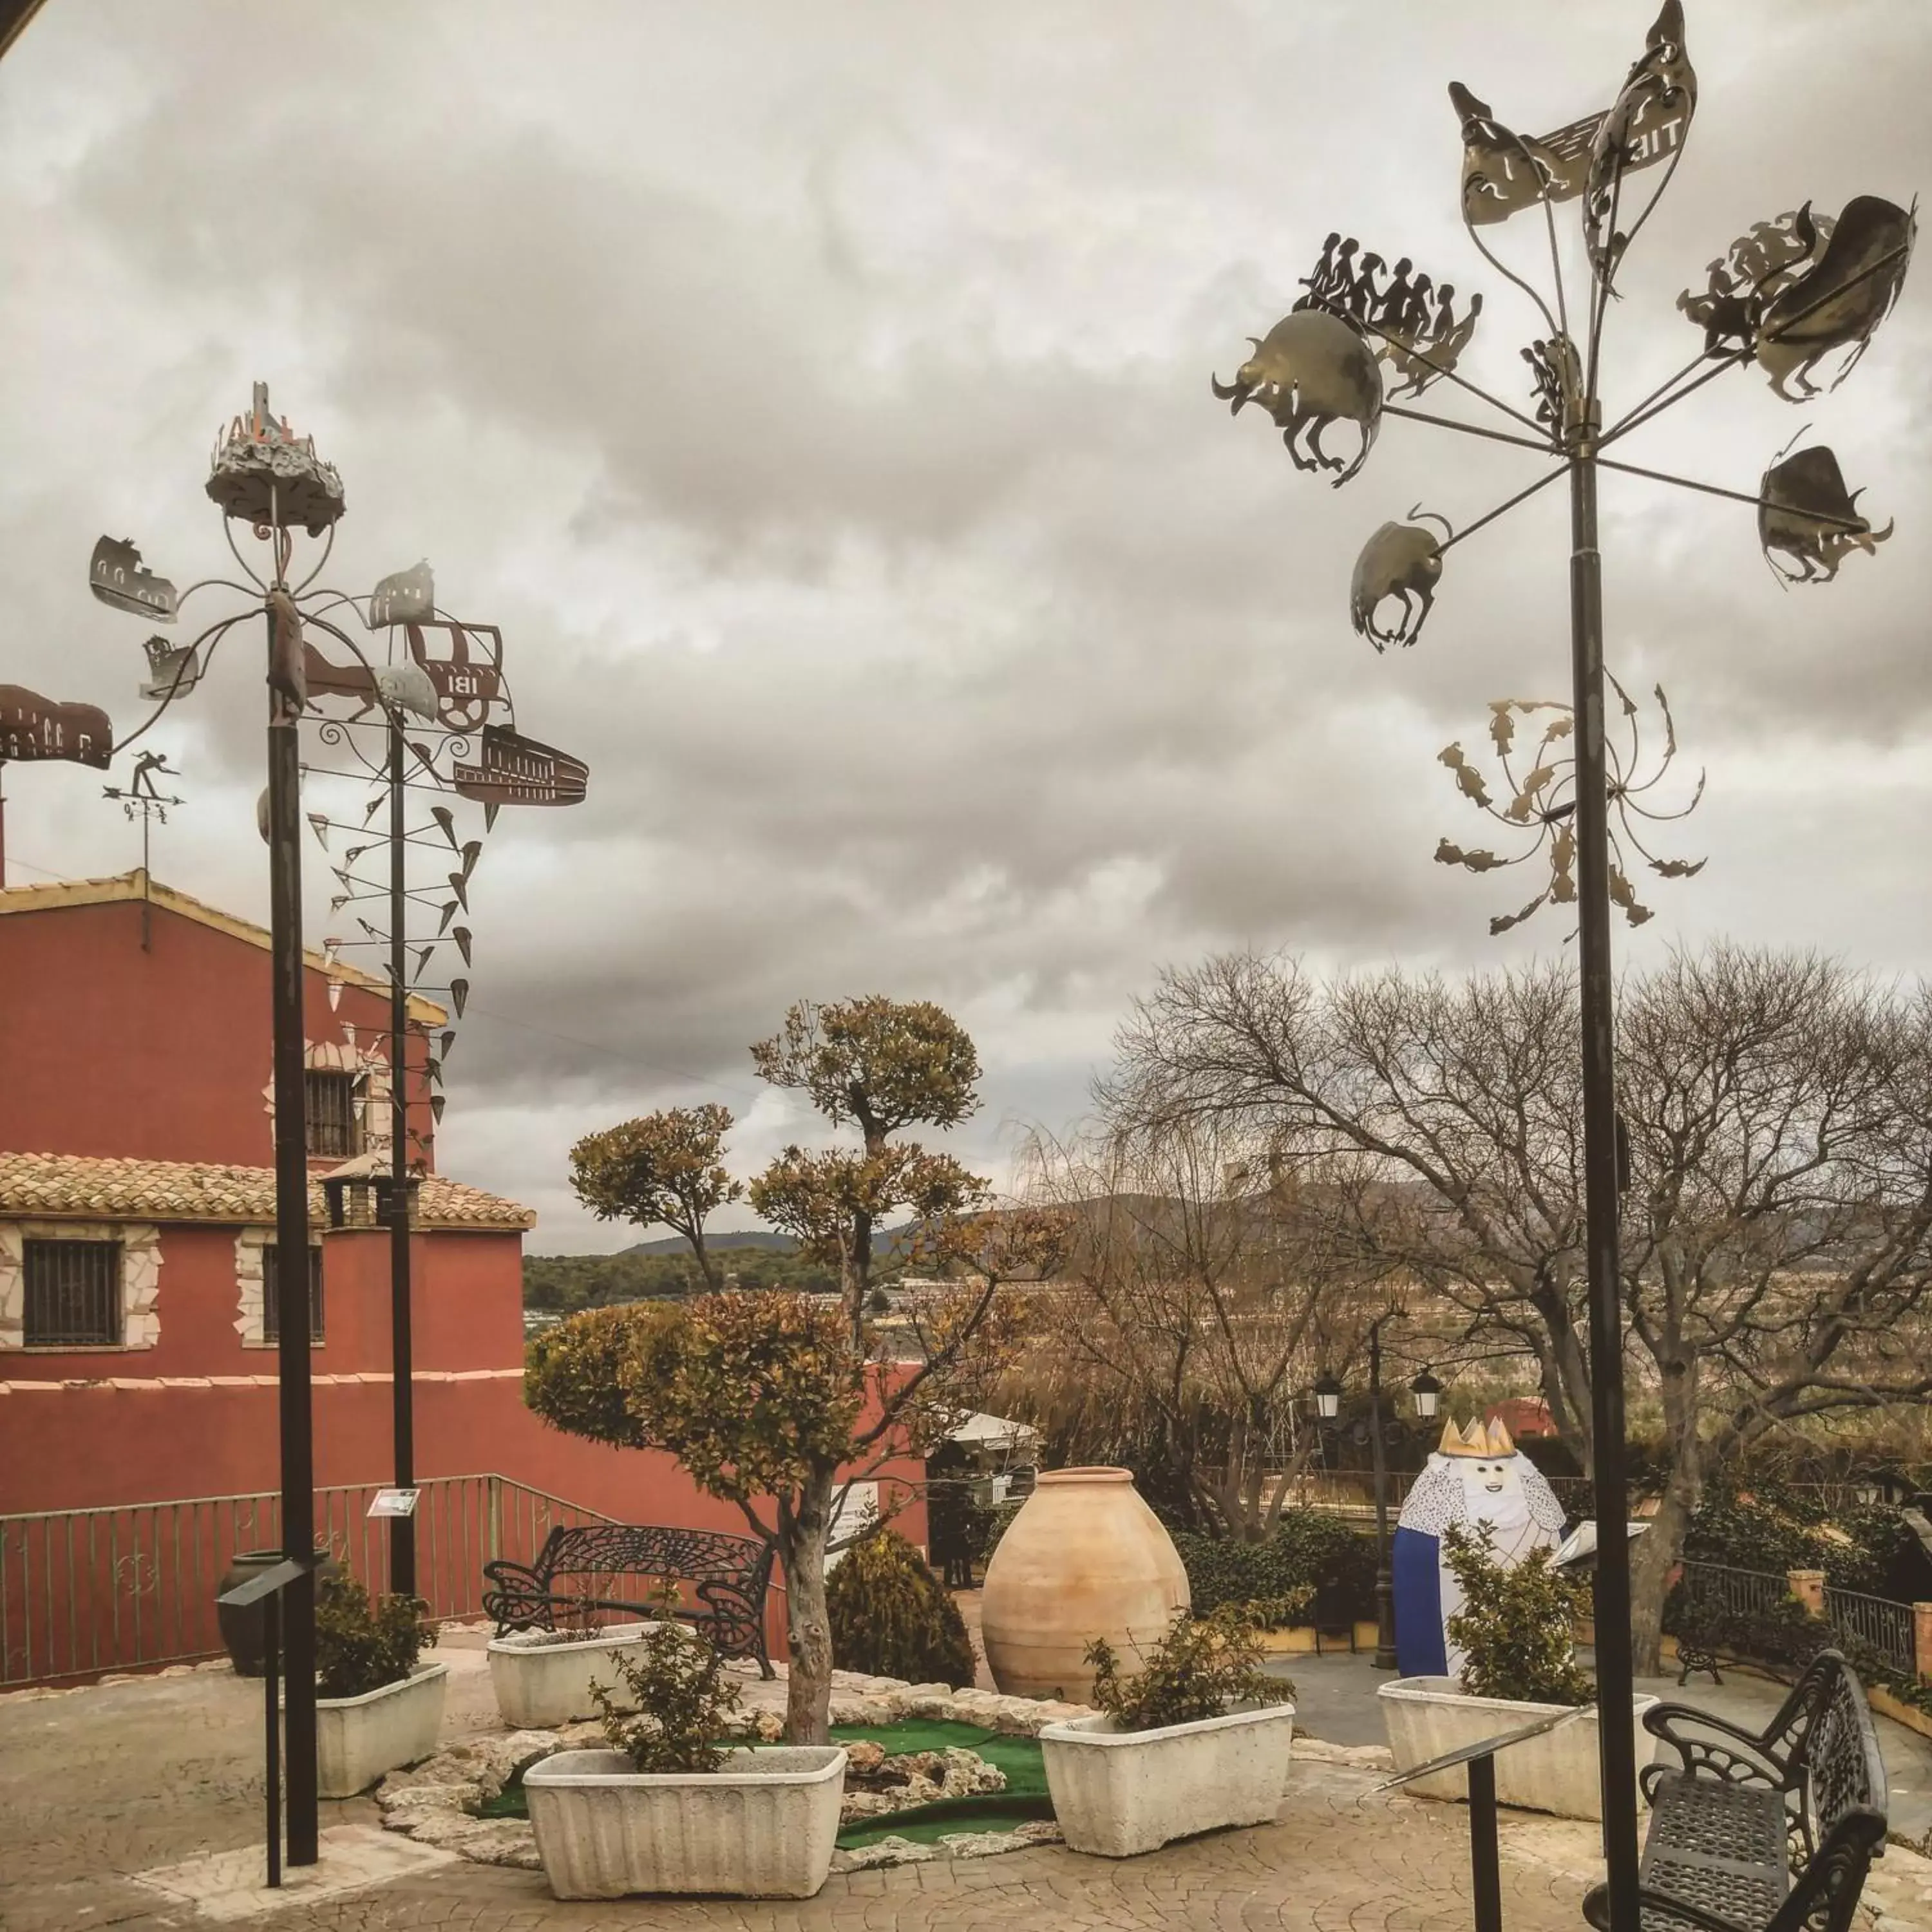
pixel 1558 1772
pixel 357 1739
pixel 542 1680
pixel 1117 1793
pixel 1085 1558
pixel 761 1826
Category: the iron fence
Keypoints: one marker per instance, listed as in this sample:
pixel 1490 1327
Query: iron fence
pixel 1883 1626
pixel 1739 1593
pixel 132 1587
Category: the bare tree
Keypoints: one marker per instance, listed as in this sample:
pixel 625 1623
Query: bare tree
pixel 1778 1209
pixel 1202 1292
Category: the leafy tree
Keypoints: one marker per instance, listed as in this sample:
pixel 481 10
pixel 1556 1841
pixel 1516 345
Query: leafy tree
pixel 1776 1243
pixel 778 1403
pixel 662 1169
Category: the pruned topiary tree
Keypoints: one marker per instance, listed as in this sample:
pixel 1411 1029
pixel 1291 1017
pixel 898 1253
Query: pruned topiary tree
pixel 892 1617
pixel 778 1402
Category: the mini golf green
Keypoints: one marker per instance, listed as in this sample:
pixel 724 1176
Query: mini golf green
pixel 1024 1801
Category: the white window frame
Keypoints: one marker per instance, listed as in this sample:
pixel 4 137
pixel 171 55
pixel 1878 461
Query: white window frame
pixel 140 1283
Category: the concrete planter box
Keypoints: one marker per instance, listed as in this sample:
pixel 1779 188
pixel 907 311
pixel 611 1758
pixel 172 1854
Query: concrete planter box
pixel 1118 1793
pixel 761 1826
pixel 1557 1772
pixel 541 1682
pixel 357 1739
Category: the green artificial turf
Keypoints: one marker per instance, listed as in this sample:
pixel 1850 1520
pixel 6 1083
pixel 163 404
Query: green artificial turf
pixel 1024 1801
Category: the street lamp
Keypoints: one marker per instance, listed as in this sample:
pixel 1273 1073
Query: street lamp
pixel 1869 1492
pixel 1428 1393
pixel 1377 1435
pixel 1797 289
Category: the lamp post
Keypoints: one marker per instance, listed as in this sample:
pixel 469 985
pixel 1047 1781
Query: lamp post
pixel 1377 1435
pixel 1796 290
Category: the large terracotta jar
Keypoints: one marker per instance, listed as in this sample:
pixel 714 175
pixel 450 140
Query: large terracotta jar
pixel 1085 1558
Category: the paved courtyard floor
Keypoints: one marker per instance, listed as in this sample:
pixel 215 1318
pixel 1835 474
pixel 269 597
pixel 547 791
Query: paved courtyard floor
pixel 100 1785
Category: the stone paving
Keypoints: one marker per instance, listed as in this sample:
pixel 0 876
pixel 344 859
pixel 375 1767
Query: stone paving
pixel 99 1786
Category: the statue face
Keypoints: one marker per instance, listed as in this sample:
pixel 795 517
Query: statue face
pixel 1490 1482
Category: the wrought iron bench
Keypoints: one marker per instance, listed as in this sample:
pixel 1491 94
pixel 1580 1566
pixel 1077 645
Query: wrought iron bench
pixel 722 1581
pixel 1770 1831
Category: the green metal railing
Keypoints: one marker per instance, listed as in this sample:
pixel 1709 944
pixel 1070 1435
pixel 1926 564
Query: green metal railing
pixel 132 1587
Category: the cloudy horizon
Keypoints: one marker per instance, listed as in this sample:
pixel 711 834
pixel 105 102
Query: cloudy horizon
pixel 818 399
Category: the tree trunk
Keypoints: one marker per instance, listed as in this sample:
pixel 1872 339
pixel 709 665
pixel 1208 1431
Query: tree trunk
pixel 1654 1555
pixel 802 1532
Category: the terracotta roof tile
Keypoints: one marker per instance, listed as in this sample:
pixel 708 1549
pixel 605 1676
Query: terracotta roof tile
pixel 56 1185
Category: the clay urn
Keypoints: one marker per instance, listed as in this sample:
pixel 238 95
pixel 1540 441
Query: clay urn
pixel 1085 1558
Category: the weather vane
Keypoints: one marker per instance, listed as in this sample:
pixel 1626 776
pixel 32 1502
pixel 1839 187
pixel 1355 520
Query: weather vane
pixel 1798 296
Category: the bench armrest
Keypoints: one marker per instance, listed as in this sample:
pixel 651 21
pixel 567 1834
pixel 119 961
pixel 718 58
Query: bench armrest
pixel 1720 1750
pixel 516 1575
pixel 1661 1912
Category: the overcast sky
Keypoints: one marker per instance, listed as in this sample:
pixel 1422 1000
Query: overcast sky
pixel 817 396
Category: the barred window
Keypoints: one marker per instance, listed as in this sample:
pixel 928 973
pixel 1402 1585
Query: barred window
pixel 73 1294
pixel 333 1127
pixel 271 1306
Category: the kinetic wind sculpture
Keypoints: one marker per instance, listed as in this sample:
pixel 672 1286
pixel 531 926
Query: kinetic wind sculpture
pixel 1480 1482
pixel 265 477
pixel 1799 296
pixel 1543 804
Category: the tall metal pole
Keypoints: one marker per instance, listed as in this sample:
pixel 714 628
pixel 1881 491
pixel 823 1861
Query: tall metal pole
pixel 1384 1579
pixel 298 1444
pixel 1600 1188
pixel 402 1529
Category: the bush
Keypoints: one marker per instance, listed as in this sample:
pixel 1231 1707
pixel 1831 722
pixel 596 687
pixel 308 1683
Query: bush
pixel 1514 1629
pixel 684 1701
pixel 891 1617
pixel 359 1647
pixel 1199 1669
pixel 1309 1549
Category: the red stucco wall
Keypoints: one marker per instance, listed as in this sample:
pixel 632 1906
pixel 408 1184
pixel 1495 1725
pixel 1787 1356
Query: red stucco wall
pixel 161 1055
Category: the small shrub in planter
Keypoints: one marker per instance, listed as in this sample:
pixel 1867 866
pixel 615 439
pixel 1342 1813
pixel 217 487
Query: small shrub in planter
pixel 375 1710
pixel 1519 1665
pixel 1196 1740
pixel 682 1698
pixel 361 1646
pixel 891 1617
pixel 666 1809
pixel 1514 1629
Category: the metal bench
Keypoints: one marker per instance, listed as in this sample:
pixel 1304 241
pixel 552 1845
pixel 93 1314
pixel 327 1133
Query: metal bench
pixel 1767 1831
pixel 724 1579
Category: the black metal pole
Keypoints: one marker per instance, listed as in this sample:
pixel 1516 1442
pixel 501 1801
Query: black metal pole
pixel 1385 1580
pixel 298 1444
pixel 1617 1745
pixel 1486 1879
pixel 271 1754
pixel 402 1529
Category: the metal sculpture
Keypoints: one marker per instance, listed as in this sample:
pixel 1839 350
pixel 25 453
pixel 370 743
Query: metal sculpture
pixel 1808 514
pixel 1401 560
pixel 1543 802
pixel 1802 287
pixel 33 730
pixel 139 799
pixel 1788 296
pixel 1410 321
pixel 265 478
pixel 1310 371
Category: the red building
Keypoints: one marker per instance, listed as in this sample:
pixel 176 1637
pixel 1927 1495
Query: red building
pixel 137 1366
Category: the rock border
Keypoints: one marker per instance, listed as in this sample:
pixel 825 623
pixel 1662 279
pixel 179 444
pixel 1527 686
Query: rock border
pixel 436 1802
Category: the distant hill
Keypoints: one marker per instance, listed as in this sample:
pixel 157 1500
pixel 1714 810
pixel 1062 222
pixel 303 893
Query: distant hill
pixel 783 1244
pixel 676 1244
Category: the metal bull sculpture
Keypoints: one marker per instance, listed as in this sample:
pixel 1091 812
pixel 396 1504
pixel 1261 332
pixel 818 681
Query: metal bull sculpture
pixel 466 681
pixel 1807 512
pixel 1401 560
pixel 33 727
pixel 1312 370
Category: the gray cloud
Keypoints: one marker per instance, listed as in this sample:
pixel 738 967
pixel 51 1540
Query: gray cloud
pixel 820 402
